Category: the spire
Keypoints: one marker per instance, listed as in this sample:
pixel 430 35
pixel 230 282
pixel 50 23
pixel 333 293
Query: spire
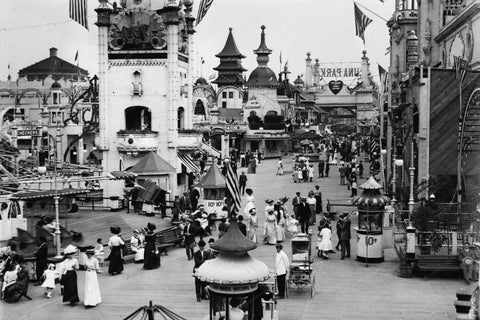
pixel 230 70
pixel 230 49
pixel 262 52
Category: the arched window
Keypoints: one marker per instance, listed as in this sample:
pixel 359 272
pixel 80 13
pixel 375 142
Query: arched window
pixel 181 118
pixel 199 108
pixel 138 118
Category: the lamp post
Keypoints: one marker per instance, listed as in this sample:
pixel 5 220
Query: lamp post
pixel 411 169
pixel 56 198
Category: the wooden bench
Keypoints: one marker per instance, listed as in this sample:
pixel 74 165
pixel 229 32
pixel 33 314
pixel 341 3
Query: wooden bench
pixel 128 248
pixel 433 264
pixel 169 237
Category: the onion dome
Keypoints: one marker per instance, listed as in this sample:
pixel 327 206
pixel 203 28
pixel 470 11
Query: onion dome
pixel 371 195
pixel 201 81
pixel 298 81
pixel 233 271
pixel 262 76
pixel 56 85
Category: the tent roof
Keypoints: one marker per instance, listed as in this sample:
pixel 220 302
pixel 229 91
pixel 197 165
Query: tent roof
pixel 213 179
pixel 151 163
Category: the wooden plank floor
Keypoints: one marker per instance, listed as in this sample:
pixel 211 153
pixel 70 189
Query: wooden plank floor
pixel 345 289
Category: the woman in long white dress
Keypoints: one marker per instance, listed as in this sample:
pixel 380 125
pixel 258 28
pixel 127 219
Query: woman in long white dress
pixel 137 246
pixel 252 225
pixel 92 290
pixel 280 215
pixel 250 201
pixel 270 231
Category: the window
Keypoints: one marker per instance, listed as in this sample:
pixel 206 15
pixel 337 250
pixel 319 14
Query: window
pixel 56 96
pixel 138 118
pixel 224 104
pixel 181 118
pixel 199 108
pixel 224 95
pixel 230 95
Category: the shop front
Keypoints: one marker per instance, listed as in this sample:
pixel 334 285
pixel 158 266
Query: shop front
pixel 271 144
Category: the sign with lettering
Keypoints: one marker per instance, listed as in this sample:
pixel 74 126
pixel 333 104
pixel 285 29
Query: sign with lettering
pixel 217 131
pixel 338 70
pixel 32 132
pixel 335 86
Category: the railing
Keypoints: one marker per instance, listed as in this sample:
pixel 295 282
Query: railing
pixel 211 150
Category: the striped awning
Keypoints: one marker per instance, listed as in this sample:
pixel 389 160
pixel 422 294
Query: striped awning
pixel 187 161
pixel 47 194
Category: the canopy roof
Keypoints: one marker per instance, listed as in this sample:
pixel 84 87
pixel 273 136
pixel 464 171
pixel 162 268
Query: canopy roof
pixel 371 195
pixel 233 240
pixel 47 193
pixel 152 164
pixel 214 179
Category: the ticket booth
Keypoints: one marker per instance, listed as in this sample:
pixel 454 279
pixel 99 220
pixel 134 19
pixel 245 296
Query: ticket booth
pixel 213 190
pixel 371 206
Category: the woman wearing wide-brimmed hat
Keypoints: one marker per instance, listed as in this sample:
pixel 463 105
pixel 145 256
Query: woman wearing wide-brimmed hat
pixel 115 243
pixel 69 276
pixel 92 289
pixel 250 201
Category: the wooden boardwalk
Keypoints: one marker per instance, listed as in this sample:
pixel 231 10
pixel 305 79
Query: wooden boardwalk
pixel 345 289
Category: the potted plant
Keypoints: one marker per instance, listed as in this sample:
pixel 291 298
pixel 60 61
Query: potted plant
pixel 406 268
pixel 425 220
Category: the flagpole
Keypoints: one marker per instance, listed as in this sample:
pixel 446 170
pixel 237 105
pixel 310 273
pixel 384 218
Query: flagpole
pixel 370 11
pixel 459 156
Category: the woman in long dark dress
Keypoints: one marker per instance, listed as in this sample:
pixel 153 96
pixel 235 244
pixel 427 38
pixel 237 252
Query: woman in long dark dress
pixel 69 276
pixel 115 243
pixel 151 258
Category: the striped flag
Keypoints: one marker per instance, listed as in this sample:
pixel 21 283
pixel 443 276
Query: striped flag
pixel 202 9
pixel 361 22
pixel 460 66
pixel 78 12
pixel 374 148
pixel 233 192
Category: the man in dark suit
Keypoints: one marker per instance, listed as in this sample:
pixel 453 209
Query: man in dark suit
pixel 199 257
pixel 303 215
pixel 189 232
pixel 194 196
pixel 295 204
pixel 345 235
pixel 242 226
pixel 41 259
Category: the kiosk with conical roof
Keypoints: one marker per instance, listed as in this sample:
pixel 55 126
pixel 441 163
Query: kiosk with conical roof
pixel 213 190
pixel 233 276
pixel 371 204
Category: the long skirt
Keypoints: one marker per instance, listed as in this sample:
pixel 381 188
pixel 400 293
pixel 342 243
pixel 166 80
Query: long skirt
pixel 280 233
pixel 252 234
pixel 151 258
pixel 270 233
pixel 116 262
pixel 70 290
pixel 139 255
pixel 313 217
pixel 92 290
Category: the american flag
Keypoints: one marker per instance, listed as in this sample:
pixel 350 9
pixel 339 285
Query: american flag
pixel 78 12
pixel 460 66
pixel 374 147
pixel 233 192
pixel 361 22
pixel 202 9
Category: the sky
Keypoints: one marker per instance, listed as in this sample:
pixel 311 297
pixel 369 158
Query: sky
pixel 28 28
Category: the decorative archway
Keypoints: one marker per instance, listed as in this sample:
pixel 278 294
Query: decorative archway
pixel 469 137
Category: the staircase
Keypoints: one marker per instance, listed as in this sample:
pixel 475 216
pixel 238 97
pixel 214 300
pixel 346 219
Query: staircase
pixel 211 150
pixel 466 305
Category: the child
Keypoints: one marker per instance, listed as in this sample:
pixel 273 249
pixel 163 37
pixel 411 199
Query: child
pixel 49 283
pixel 99 252
pixel 292 225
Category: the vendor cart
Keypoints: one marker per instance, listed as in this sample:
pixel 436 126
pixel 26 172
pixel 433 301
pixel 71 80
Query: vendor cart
pixel 301 270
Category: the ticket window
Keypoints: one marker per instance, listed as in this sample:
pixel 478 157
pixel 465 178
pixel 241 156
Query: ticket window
pixel 370 221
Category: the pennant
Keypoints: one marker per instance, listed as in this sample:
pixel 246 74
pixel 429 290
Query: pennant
pixel 202 9
pixel 280 58
pixel 460 66
pixel 233 192
pixel 361 22
pixel 78 12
